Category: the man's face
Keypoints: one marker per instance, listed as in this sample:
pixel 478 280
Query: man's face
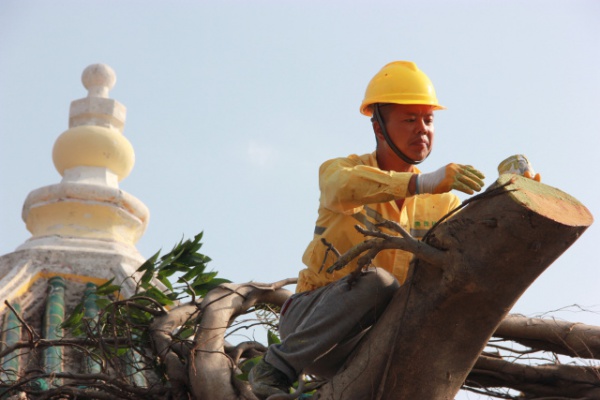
pixel 410 127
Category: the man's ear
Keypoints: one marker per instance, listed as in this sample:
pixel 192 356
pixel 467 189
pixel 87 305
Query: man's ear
pixel 377 129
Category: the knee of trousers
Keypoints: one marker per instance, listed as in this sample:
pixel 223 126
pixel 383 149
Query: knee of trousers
pixel 379 282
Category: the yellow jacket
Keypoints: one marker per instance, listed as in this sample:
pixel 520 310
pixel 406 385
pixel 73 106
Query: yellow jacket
pixel 355 191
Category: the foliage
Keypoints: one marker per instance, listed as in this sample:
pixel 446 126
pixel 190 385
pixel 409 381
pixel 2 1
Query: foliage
pixel 116 338
pixel 184 261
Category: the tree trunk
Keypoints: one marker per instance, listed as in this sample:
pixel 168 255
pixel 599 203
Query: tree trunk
pixel 440 320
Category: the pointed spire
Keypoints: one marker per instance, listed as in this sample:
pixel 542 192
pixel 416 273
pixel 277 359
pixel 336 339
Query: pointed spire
pixel 92 156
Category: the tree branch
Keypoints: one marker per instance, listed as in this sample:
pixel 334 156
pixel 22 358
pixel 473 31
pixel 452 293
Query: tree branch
pixel 536 381
pixel 571 339
pixel 245 349
pixel 43 343
pixel 28 328
pixel 213 369
pixel 161 331
pixel 384 241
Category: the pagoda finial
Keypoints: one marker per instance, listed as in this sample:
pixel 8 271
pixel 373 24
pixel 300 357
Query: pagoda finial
pixel 93 148
pixel 98 79
pixel 97 109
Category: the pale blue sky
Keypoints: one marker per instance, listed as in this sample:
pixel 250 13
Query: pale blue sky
pixel 233 105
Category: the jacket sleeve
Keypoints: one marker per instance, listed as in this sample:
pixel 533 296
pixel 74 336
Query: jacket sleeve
pixel 347 185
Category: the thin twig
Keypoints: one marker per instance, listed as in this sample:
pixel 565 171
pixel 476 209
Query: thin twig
pixel 25 324
pixel 330 248
pixel 192 291
pixel 131 302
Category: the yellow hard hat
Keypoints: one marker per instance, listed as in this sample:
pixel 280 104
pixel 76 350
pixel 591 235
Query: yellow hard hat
pixel 399 82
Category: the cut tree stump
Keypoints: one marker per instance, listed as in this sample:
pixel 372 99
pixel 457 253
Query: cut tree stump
pixel 440 320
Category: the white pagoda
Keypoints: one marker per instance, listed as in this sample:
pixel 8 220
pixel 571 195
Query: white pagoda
pixel 83 230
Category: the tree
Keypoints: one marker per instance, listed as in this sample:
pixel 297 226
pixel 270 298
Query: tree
pixel 469 271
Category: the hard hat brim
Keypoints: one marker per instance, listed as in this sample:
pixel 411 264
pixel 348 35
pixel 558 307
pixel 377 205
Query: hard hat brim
pixel 367 109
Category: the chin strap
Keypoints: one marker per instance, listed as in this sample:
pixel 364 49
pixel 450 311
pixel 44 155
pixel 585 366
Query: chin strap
pixel 395 149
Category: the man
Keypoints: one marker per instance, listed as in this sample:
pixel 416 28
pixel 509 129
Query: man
pixel 322 323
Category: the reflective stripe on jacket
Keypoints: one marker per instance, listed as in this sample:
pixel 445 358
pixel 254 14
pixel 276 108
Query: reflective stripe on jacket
pixel 354 191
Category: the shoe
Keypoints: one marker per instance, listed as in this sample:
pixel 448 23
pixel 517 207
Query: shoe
pixel 267 380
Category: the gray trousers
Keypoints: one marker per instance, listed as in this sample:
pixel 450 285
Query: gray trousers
pixel 319 329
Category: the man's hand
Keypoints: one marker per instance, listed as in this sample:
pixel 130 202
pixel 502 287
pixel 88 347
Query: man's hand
pixel 453 176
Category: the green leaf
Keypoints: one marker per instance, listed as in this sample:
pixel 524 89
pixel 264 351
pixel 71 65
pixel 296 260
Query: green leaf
pixel 138 317
pixel 107 283
pixel 197 273
pixel 157 295
pixel 149 263
pixel 247 365
pixel 168 271
pixel 103 303
pixel 186 333
pixel 75 318
pixel 205 278
pixel 203 288
pixel 273 338
pixel 166 282
pixel 147 277
pixel 173 296
pixel 242 377
pixel 106 290
pixel 121 351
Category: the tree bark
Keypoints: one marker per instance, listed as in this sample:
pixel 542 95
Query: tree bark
pixel 161 331
pixel 212 371
pixel 562 337
pixel 440 320
pixel 540 381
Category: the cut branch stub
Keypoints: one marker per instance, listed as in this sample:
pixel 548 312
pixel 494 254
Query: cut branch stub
pixel 441 318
